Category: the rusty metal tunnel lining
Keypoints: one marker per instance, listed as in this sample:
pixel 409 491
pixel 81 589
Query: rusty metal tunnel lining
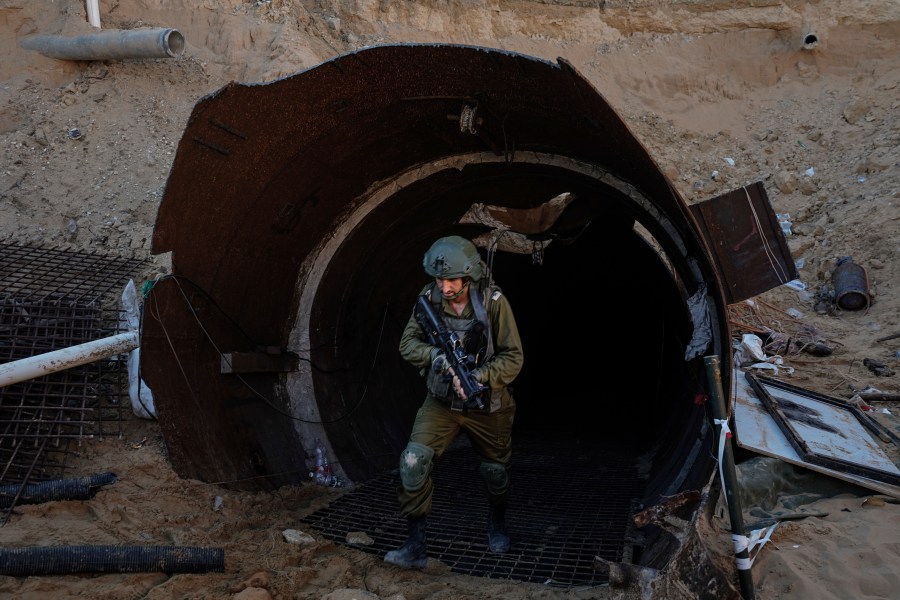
pixel 322 212
pixel 569 504
pixel 291 184
pixel 53 299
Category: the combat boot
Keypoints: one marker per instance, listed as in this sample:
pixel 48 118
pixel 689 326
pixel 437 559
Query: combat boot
pixel 498 538
pixel 413 551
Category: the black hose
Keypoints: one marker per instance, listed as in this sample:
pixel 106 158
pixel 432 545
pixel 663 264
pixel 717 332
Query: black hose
pixel 81 488
pixel 51 560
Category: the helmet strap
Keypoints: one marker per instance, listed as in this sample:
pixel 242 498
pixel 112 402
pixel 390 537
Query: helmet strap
pixel 461 290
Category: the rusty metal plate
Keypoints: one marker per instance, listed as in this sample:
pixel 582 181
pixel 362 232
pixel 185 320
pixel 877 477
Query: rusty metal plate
pixel 748 245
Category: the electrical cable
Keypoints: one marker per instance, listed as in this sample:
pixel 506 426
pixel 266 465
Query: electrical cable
pixel 246 384
pixel 776 266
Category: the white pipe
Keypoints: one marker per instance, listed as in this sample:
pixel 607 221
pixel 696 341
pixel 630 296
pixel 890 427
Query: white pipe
pixel 93 12
pixel 66 358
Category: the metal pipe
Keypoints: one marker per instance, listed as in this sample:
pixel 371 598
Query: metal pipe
pixel 729 479
pixel 109 45
pixel 66 358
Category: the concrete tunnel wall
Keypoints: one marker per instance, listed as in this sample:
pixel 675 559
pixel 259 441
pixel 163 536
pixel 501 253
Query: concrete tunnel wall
pixel 297 213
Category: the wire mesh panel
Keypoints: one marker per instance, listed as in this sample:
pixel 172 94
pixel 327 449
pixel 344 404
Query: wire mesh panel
pixel 50 300
pixel 567 506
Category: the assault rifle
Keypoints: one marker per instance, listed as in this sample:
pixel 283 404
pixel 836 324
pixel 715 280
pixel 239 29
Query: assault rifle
pixel 461 363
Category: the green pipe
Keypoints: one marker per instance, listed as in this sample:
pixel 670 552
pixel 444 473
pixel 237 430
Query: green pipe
pixel 729 479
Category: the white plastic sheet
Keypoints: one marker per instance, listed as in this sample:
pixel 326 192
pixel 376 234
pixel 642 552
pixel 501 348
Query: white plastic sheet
pixel 750 353
pixel 138 391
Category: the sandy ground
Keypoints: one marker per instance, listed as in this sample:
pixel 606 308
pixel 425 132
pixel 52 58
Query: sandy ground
pixel 702 85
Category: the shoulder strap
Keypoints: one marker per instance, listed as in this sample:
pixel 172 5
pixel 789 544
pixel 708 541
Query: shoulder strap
pixel 478 305
pixel 435 297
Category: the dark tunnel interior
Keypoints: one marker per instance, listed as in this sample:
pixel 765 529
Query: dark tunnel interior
pixel 601 315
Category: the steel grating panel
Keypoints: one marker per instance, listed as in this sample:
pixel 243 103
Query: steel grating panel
pixel 52 299
pixel 567 506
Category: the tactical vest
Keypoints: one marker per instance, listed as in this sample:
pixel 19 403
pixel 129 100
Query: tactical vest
pixel 480 297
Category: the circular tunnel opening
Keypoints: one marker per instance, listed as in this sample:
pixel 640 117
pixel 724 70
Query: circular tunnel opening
pixel 600 308
pixel 311 258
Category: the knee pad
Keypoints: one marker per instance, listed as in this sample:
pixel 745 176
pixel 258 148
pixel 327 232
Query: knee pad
pixel 415 466
pixel 495 476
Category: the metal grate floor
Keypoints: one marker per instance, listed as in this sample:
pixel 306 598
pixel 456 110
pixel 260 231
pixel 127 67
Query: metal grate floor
pixel 52 299
pixel 567 506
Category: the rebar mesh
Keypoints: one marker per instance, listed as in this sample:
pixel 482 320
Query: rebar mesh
pixel 52 299
pixel 569 504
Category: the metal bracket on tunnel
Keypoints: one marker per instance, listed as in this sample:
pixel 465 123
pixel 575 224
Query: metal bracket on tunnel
pixel 468 119
pixel 265 360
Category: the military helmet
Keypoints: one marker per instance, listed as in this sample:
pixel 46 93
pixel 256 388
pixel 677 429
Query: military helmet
pixel 452 257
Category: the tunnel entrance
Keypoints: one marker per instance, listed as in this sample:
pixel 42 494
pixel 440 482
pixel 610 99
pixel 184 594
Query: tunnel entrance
pixel 297 214
pixel 601 312
pixel 606 420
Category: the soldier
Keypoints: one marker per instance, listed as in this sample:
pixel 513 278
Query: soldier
pixel 480 316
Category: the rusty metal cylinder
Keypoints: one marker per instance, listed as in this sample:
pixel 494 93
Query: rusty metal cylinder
pixel 851 285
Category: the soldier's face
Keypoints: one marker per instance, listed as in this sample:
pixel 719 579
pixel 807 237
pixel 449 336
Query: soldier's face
pixel 450 287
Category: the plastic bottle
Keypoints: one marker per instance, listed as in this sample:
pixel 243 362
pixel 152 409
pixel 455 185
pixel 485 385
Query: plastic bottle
pixel 322 475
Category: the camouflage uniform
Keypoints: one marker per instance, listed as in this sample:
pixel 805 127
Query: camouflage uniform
pixel 436 426
pixel 487 330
